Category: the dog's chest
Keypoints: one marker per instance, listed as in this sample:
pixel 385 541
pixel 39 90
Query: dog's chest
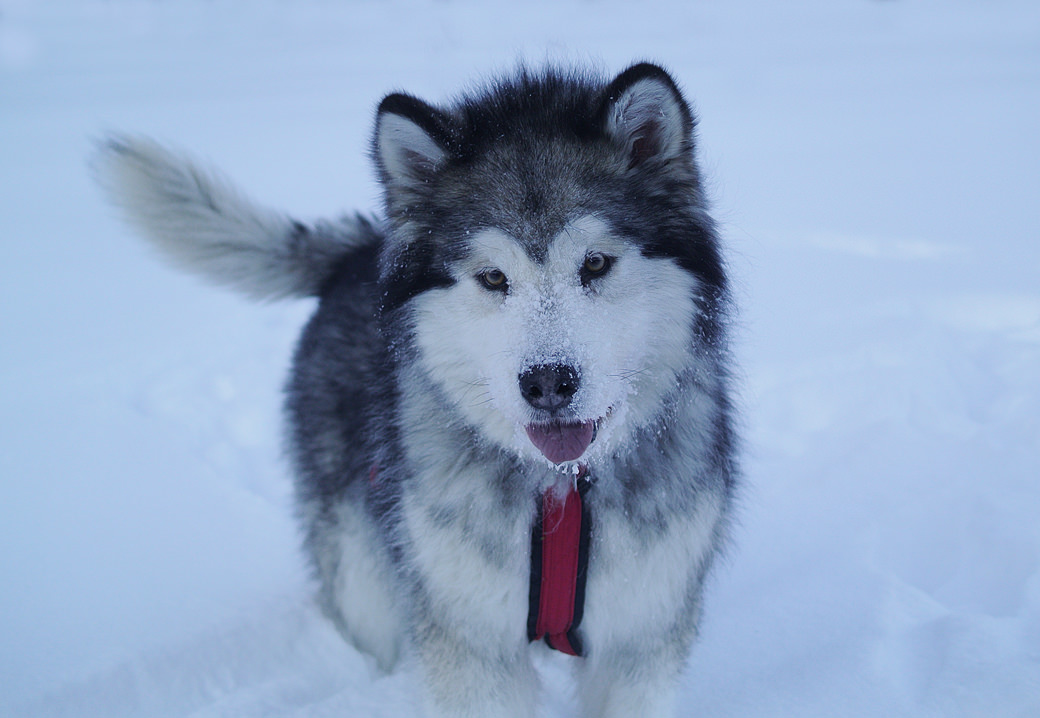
pixel 470 550
pixel 642 577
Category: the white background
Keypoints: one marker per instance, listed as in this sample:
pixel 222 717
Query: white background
pixel 876 169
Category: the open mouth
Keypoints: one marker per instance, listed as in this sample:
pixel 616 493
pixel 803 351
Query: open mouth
pixel 561 441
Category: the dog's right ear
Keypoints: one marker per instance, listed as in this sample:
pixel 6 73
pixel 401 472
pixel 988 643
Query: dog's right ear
pixel 411 140
pixel 644 113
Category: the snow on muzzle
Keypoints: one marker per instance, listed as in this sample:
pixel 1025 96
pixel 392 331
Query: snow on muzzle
pixel 561 441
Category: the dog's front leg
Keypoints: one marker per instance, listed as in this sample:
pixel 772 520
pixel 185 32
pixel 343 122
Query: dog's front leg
pixel 626 683
pixel 463 680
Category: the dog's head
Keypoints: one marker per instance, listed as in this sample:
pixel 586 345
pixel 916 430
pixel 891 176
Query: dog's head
pixel 550 254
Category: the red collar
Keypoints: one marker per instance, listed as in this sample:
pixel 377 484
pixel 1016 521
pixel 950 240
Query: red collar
pixel 559 559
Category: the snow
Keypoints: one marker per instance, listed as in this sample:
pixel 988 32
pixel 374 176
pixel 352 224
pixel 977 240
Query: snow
pixel 874 166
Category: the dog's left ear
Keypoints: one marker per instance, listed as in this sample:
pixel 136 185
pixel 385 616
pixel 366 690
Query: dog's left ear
pixel 646 115
pixel 411 141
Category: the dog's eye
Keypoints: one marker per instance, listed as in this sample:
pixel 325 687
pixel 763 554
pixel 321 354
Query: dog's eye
pixel 493 279
pixel 596 265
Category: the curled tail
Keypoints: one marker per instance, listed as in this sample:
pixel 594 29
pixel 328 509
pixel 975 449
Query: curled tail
pixel 203 224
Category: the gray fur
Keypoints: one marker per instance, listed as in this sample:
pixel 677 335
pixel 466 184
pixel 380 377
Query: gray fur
pixel 416 482
pixel 201 223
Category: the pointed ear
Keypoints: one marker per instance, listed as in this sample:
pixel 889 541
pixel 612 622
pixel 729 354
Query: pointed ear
pixel 411 140
pixel 646 115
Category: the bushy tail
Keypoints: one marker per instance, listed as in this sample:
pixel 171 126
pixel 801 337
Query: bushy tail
pixel 203 224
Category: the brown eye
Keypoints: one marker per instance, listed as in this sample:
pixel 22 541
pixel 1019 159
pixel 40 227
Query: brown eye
pixel 493 279
pixel 596 265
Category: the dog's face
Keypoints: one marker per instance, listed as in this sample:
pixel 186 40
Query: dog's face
pixel 560 356
pixel 549 255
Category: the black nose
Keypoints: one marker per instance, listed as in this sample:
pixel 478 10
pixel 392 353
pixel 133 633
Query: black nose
pixel 549 386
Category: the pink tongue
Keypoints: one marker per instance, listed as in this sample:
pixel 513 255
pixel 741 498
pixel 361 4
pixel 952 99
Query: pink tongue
pixel 562 442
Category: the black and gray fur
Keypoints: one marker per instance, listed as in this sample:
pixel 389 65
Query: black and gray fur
pixel 415 494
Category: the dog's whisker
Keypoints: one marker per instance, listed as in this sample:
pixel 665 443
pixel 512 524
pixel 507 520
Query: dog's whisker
pixel 628 374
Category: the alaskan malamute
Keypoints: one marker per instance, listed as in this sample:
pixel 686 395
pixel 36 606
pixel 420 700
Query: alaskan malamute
pixel 510 415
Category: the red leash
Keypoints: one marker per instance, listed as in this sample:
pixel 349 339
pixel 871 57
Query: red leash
pixel 559 559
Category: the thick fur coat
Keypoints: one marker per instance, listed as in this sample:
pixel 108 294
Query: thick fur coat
pixel 544 292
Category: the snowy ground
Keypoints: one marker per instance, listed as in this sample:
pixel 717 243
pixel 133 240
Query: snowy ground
pixel 876 166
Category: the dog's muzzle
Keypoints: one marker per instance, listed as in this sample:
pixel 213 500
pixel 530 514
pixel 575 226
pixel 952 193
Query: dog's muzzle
pixel 549 387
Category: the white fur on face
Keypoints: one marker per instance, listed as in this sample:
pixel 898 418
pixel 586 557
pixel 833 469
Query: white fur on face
pixel 629 334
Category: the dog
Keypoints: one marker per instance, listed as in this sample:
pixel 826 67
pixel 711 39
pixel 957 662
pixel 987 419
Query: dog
pixel 510 416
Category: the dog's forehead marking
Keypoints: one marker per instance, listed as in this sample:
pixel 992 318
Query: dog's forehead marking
pixel 587 234
pixel 496 247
